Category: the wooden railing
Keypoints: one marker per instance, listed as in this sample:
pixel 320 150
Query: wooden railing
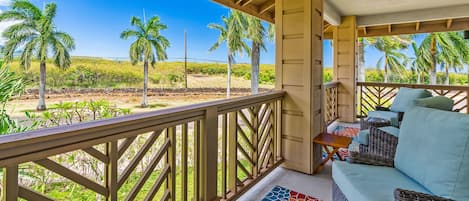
pixel 208 151
pixel 331 101
pixel 383 94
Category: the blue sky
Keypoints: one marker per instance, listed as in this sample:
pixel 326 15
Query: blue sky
pixel 97 24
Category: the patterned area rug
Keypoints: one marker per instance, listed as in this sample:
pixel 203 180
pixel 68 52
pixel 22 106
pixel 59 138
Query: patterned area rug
pixel 346 132
pixel 279 193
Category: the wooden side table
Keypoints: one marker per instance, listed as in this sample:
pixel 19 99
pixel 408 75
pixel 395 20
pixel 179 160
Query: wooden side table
pixel 331 144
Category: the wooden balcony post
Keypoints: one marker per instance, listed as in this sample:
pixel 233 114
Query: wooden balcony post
pixel 111 170
pixel 10 183
pixel 209 155
pixel 345 42
pixel 299 72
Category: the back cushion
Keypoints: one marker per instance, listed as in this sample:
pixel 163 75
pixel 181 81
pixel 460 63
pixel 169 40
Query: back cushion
pixel 406 97
pixel 437 102
pixel 433 149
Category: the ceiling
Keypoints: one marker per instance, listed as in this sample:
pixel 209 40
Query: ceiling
pixel 378 17
pixel 374 7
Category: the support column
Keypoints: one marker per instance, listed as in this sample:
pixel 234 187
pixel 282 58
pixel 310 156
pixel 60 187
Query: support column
pixel 299 67
pixel 345 48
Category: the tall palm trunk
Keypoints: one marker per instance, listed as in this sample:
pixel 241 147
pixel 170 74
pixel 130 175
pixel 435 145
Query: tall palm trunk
pixel 361 62
pixel 228 82
pixel 255 62
pixel 434 61
pixel 386 76
pixel 419 77
pixel 145 85
pixel 446 74
pixel 41 106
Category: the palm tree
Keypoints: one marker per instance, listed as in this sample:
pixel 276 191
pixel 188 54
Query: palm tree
pixel 446 48
pixel 37 36
pixel 148 47
pixel 232 34
pixel 257 33
pixel 417 63
pixel 393 59
pixel 362 43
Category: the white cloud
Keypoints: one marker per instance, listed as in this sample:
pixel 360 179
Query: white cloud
pixel 4 25
pixel 5 2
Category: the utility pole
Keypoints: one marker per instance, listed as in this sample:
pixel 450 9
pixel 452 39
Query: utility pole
pixel 185 59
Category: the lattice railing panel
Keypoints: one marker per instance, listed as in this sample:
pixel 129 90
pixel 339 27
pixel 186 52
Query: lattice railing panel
pixel 331 102
pixel 372 95
pixel 146 156
pixel 250 146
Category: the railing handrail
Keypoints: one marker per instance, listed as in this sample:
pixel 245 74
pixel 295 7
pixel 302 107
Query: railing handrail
pixel 425 86
pixel 331 85
pixel 19 144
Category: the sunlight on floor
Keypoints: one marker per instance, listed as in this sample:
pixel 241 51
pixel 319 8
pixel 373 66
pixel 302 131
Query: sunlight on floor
pixel 318 186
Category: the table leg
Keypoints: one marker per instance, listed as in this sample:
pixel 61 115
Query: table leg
pixel 330 156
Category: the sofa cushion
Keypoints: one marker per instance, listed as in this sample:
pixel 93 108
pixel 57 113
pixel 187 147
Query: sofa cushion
pixel 364 135
pixel 371 183
pixel 406 97
pixel 437 102
pixel 391 116
pixel 433 149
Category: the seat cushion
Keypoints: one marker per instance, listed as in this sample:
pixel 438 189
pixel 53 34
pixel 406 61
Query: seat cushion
pixel 406 97
pixel 364 135
pixel 433 149
pixel 437 102
pixel 388 115
pixel 371 183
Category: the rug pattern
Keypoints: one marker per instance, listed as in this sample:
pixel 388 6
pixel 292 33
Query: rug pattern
pixel 279 193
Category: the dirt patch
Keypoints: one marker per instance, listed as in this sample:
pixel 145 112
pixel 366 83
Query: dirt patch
pixel 125 92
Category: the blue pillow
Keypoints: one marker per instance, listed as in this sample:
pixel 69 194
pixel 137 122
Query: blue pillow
pixel 437 102
pixel 406 97
pixel 433 150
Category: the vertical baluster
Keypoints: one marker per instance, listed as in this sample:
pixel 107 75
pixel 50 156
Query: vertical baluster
pixel 184 146
pixel 232 152
pixel 467 101
pixel 278 133
pixel 272 133
pixel 171 134
pixel 197 160
pixel 223 154
pixel 255 139
pixel 111 170
pixel 209 154
pixel 10 183
pixel 275 129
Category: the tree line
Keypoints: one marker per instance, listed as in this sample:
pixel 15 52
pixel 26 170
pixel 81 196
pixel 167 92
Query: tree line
pixel 444 50
pixel 37 37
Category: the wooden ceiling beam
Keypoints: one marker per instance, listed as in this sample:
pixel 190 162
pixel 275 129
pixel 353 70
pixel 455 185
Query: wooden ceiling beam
pixel 449 23
pixel 247 2
pixel 249 9
pixel 266 6
pixel 364 30
pixel 415 28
